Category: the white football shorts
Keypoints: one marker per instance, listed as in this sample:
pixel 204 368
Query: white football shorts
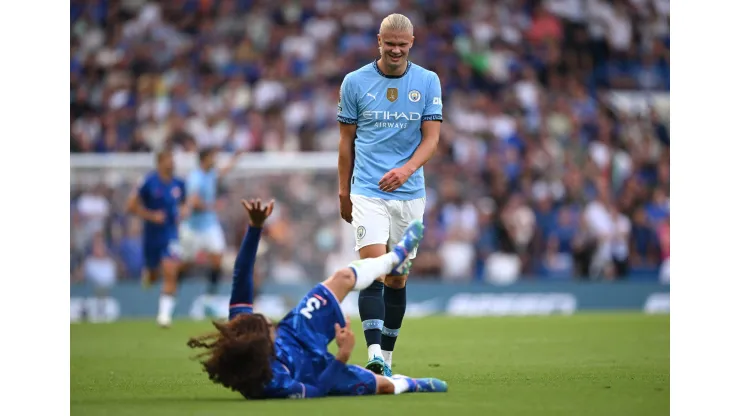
pixel 210 240
pixel 380 221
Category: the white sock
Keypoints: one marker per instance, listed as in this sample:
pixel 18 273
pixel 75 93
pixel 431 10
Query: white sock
pixel 399 383
pixel 367 270
pixel 387 357
pixel 166 306
pixel 373 350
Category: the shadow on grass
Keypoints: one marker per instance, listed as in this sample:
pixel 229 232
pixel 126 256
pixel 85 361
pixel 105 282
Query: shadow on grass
pixel 194 400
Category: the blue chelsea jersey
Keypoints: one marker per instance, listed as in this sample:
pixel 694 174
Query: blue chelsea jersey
pixel 388 112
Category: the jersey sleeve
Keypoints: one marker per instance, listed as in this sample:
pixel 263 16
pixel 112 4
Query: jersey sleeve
pixel 347 106
pixel 433 101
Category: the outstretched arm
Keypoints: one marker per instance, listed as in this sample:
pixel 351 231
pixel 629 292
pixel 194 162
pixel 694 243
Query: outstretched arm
pixel 242 287
pixel 223 171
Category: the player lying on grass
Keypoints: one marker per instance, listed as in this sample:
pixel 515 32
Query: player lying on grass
pixel 250 355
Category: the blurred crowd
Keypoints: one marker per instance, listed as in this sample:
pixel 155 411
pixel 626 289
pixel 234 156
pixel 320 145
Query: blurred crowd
pixel 537 173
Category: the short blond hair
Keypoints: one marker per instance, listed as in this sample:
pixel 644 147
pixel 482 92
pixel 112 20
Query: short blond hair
pixel 396 22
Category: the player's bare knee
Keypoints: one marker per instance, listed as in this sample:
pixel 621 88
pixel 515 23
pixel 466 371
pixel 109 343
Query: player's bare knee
pixel 343 277
pixel 384 385
pixel 396 282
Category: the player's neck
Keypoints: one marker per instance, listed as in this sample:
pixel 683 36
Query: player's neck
pixel 165 176
pixel 384 68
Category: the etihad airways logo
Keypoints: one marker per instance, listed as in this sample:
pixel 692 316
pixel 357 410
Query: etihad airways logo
pixel 391 119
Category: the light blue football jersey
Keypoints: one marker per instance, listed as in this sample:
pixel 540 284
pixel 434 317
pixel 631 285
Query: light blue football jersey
pixel 204 184
pixel 388 111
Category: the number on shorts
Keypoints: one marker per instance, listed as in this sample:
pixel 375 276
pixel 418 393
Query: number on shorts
pixel 311 305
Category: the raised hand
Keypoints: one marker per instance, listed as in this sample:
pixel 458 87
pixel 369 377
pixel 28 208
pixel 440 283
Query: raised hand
pixel 258 212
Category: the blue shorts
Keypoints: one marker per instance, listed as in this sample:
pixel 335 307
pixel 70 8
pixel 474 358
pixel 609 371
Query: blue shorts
pixel 310 325
pixel 155 252
pixel 354 381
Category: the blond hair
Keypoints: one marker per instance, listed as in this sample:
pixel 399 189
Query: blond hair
pixel 396 22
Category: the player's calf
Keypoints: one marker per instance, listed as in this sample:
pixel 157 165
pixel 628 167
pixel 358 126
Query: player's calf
pixel 214 277
pixel 394 298
pixel 372 311
pixel 170 269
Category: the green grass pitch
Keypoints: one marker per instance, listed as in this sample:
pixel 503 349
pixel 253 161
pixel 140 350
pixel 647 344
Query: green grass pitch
pixel 587 364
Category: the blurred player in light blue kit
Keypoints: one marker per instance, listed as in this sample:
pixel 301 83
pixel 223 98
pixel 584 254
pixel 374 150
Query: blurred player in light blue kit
pixel 159 200
pixel 252 356
pixel 390 114
pixel 202 231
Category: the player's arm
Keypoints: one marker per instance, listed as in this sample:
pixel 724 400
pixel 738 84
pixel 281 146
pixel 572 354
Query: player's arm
pixel 242 289
pixel 431 124
pixel 346 161
pixel 229 166
pixel 184 206
pixel 135 206
pixel 429 140
pixel 347 118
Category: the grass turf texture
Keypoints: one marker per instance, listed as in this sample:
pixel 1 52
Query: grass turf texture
pixel 590 364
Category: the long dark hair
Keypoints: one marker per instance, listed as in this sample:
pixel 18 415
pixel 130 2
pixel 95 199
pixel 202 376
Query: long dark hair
pixel 238 354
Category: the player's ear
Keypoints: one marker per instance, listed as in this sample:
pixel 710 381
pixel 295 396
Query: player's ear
pixel 380 42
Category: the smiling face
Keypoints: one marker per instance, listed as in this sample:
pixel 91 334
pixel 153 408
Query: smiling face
pixel 394 46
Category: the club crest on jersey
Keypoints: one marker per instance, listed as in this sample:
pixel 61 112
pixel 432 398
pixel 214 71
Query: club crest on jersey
pixel 175 192
pixel 414 96
pixel 391 94
pixel 360 232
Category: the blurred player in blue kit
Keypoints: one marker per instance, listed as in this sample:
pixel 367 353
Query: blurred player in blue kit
pixel 390 115
pixel 202 231
pixel 159 200
pixel 250 355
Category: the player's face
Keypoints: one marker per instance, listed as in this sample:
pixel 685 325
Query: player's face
pixel 271 327
pixel 394 48
pixel 167 163
pixel 208 161
pixel 272 332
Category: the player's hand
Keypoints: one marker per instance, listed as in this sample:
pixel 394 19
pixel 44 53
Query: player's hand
pixel 345 208
pixel 258 212
pixel 345 341
pixel 394 179
pixel 158 217
pixel 185 211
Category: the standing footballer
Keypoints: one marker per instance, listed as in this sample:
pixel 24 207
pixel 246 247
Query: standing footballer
pixel 389 113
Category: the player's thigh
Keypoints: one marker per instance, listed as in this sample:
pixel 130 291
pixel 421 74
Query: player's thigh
pixel 405 212
pixel 371 220
pixel 188 243
pixel 312 320
pixel 354 380
pixel 171 258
